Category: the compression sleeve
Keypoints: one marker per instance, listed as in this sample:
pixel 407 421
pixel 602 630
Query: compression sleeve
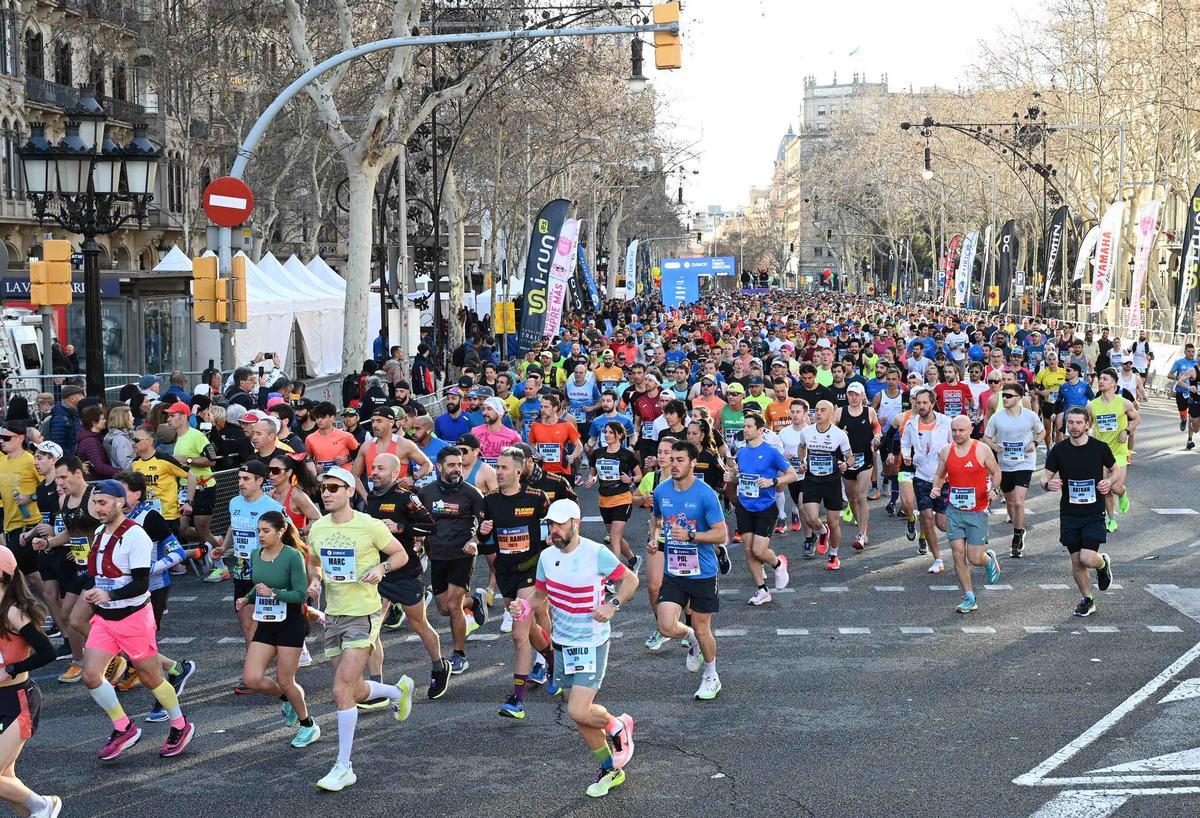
pixel 138 585
pixel 42 651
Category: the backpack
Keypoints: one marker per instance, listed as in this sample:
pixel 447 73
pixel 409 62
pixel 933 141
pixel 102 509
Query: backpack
pixel 459 356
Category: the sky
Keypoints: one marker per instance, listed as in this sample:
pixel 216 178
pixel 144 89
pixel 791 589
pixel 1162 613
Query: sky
pixel 744 61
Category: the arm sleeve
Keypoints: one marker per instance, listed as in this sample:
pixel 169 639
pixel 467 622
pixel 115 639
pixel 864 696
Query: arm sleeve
pixel 137 586
pixel 42 652
pixel 172 556
pixel 297 588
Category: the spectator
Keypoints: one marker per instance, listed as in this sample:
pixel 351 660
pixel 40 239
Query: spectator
pixel 395 367
pixel 164 435
pixel 90 447
pixel 65 422
pixel 177 391
pixel 226 437
pixel 18 409
pixel 374 396
pixel 239 391
pixel 380 345
pixel 118 441
pixel 151 387
pixel 422 372
pixel 43 405
pixel 137 406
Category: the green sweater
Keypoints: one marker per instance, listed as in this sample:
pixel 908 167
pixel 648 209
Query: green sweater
pixel 285 575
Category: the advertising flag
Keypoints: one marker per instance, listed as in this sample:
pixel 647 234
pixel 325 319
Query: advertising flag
pixel 1055 240
pixel 562 268
pixel 1108 251
pixel 1189 267
pixel 1006 264
pixel 1086 248
pixel 962 276
pixel 590 281
pixel 1147 232
pixel 543 240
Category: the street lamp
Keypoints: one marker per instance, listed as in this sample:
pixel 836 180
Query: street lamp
pixel 637 80
pixel 78 183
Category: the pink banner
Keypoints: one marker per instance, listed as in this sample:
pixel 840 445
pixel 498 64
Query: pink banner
pixel 561 270
pixel 1147 232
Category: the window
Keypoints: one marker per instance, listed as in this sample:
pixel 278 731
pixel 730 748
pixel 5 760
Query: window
pixel 816 252
pixel 35 59
pixel 10 137
pixel 62 64
pixel 96 73
pixel 8 41
pixel 120 81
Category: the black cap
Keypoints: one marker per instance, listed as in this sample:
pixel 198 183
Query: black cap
pixel 402 385
pixel 756 381
pixel 384 412
pixel 255 467
pixel 303 403
pixel 466 381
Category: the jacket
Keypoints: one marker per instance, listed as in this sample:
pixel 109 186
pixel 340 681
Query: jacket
pixel 90 447
pixel 119 445
pixel 64 427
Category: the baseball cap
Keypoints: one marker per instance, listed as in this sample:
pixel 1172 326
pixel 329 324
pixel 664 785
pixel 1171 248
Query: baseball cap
pixel 466 382
pixel 402 385
pixel 735 389
pixel 778 362
pixel 384 412
pixel 147 381
pixel 710 377
pixel 454 390
pixel 339 474
pixel 756 381
pixel 856 387
pixel 51 448
pixel 273 402
pixel 113 488
pixel 253 416
pixel 496 405
pixel 303 403
pixel 255 467
pixel 349 411
pixel 8 561
pixel 823 343
pixel 560 511
pixel 181 408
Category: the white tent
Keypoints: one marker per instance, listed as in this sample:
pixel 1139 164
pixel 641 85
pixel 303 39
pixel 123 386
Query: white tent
pixel 269 328
pixel 326 273
pixel 174 261
pixel 316 314
pixel 333 313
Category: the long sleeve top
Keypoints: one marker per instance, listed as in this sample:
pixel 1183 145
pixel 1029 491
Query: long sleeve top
pixel 285 575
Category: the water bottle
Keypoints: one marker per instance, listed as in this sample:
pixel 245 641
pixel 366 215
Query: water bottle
pixel 26 514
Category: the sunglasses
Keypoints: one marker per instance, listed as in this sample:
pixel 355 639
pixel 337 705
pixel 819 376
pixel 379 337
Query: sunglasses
pixel 275 470
pixel 993 380
pixel 330 488
pixel 8 437
pixel 1008 395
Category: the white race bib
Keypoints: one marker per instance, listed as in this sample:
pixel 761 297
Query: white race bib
pixel 1013 452
pixel 243 543
pixel 820 465
pixel 579 659
pixel 648 430
pixel 683 562
pixel 963 498
pixel 1106 423
pixel 1052 396
pixel 608 469
pixel 550 452
pixel 860 460
pixel 426 480
pixel 748 486
pixel 1081 492
pixel 339 564
pixel 579 415
pixel 269 609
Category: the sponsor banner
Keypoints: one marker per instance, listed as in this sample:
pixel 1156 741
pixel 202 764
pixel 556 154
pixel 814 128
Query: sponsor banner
pixel 1147 232
pixel 589 280
pixel 1189 267
pixel 1056 238
pixel 1086 248
pixel 562 268
pixel 962 275
pixel 1006 261
pixel 543 240
pixel 1108 252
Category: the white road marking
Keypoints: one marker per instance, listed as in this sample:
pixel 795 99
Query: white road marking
pixel 1171 762
pixel 917 630
pixel 729 631
pixel 889 587
pixel 1040 629
pixel 1187 689
pixel 1081 804
pixel 1186 600
pixel 1101 629
pixel 1054 586
pixel 227 599
pixel 230 640
pixel 943 587
pixel 983 629
pixel 854 631
pixel 483 637
pixel 1165 629
pixel 998 587
pixel 179 640
pixel 1174 512
pixel 791 631
pixel 728 591
pixel 834 589
pixel 183 599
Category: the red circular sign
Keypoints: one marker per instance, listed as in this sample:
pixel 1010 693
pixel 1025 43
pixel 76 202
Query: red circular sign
pixel 228 201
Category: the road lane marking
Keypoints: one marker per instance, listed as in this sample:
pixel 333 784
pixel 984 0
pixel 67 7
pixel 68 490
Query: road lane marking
pixel 982 629
pixel 891 588
pixel 1101 629
pixel 1165 629
pixel 911 631
pixel 791 631
pixel 1040 629
pixel 854 631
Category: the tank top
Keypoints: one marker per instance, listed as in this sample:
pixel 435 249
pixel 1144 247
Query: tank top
pixel 474 472
pixel 297 517
pixel 966 480
pixel 371 451
pixel 858 429
pixel 13 649
pixel 1130 384
pixel 1110 419
pixel 889 407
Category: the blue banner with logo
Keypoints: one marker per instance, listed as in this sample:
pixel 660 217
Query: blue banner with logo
pixel 706 265
pixel 589 279
pixel 680 281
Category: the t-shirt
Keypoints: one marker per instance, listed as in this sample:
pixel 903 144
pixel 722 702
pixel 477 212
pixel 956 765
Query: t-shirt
pixel 243 528
pixel 450 428
pixel 778 414
pixel 1051 380
pixel 132 551
pixel 516 537
pixel 613 492
pixel 574 583
pixel 953 399
pixel 1081 469
pixel 694 509
pixel 596 430
pixel 193 443
pixel 327 447
pixel 755 462
pixel 431 450
pixel 165 480
pixel 285 575
pixel 823 451
pixel 530 413
pixel 347 552
pixel 1014 434
pixel 19 474
pixel 550 441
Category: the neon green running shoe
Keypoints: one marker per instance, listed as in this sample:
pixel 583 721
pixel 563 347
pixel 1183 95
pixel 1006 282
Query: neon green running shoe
pixel 1110 524
pixel 1123 502
pixel 606 781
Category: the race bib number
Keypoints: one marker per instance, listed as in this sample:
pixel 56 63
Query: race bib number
pixel 325 465
pixel 59 525
pixel 106 584
pixel 1081 492
pixel 182 495
pixel 579 659
pixel 339 564
pixel 269 609
pixel 748 486
pixel 730 438
pixel 545 531
pixel 1052 396
pixel 648 430
pixel 491 461
pixel 683 562
pixel 860 460
pixel 820 465
pixel 513 540
pixel 1106 423
pixel 243 543
pixel 550 452
pixel 426 480
pixel 80 546
pixel 812 414
pixel 1013 452
pixel 579 415
pixel 609 470
pixel 796 463
pixel 963 498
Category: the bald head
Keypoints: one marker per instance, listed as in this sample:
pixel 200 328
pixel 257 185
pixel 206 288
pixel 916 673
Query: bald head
pixel 825 410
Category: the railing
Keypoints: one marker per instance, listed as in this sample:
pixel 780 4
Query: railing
pixel 62 96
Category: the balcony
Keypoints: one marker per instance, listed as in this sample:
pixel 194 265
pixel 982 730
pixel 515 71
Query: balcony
pixel 66 98
pixel 125 14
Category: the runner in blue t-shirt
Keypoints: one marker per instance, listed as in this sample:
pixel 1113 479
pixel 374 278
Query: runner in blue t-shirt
pixel 693 524
pixel 1183 393
pixel 761 471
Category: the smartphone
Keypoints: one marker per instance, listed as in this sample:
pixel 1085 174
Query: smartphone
pixel 260 371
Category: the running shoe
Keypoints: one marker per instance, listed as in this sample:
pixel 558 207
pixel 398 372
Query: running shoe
pixel 305 657
pixel 513 708
pixel 63 651
pixel 808 548
pixel 656 640
pixel 177 740
pixel 937 567
pixel 890 509
pixel 337 779
pixel 709 687
pixel 489 596
pixel 695 659
pixel 439 680
pixel 737 535
pixel 848 515
pixel 179 680
pixel 1018 545
pixel 622 742
pixel 1086 607
pixel 219 574
pixel 120 741
pixel 860 542
pixel 128 681
pixel 290 717
pixel 761 597
pixel 780 525
pixel 480 610
pixel 795 522
pixel 306 736
pixel 633 563
pixel 834 563
pixel 606 780
pixel 1104 573
pixel 242 690
pixel 1123 502
pixel 552 689
pixel 993 567
pixel 723 563
pixel 781 573
pixel 506 623
pixel 1191 444
pixel 72 675
pixel 910 528
pixel 116 669
pixel 52 809
pixel 394 618
pixel 402 707
pixel 158 714
pixel 374 704
pixel 823 541
pixel 458 664
pixel 967 605
pixel 922 545
pixel 1110 524
pixel 538 675
pixel 874 493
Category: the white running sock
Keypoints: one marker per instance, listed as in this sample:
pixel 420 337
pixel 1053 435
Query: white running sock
pixel 710 669
pixel 379 690
pixel 538 659
pixel 347 720
pixel 34 803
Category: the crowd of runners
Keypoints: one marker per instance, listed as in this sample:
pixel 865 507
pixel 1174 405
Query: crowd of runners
pixel 783 425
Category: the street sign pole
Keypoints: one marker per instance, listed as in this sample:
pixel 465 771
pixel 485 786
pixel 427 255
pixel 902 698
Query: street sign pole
pixel 47 314
pixel 225 270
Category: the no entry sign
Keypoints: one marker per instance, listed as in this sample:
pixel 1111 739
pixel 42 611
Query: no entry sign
pixel 228 201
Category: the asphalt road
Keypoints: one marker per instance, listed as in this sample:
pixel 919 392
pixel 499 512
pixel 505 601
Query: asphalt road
pixel 854 693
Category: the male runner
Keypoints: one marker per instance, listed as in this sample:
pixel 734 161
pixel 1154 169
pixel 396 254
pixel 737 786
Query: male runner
pixel 1014 435
pixel 327 446
pixel 492 434
pixel 863 431
pixel 760 469
pixel 824 453
pixel 924 437
pixel 197 502
pixel 414 465
pixel 1115 419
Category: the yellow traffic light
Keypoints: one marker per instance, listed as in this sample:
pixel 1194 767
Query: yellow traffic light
pixel 667 51
pixel 50 279
pixel 238 273
pixel 209 303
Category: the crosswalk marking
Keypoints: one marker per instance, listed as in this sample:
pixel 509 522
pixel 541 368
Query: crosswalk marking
pixel 982 629
pixel 889 587
pixel 912 630
pixel 853 631
pixel 791 631
pixel 1101 629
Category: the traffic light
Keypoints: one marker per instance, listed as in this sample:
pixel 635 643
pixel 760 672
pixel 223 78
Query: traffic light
pixel 209 301
pixel 667 51
pixel 238 272
pixel 50 279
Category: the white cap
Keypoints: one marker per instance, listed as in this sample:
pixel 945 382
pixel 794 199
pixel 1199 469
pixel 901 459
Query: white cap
pixel 338 473
pixel 497 405
pixel 51 448
pixel 823 343
pixel 563 510
pixel 856 387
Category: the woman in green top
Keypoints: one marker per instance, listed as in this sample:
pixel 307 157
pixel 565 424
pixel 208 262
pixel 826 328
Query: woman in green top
pixel 279 569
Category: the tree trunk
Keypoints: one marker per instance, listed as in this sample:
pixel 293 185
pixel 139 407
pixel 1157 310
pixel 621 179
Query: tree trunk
pixel 615 256
pixel 455 267
pixel 356 346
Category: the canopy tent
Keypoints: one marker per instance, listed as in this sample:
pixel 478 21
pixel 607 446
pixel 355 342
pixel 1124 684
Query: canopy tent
pixel 326 273
pixel 317 314
pixel 270 318
pixel 175 261
pixel 333 314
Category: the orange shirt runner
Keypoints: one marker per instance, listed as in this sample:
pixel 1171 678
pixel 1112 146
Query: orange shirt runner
pixel 550 441
pixel 326 448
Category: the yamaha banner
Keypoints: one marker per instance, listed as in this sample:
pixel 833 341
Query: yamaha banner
pixel 1189 267
pixel 1006 262
pixel 589 281
pixel 1056 238
pixel 542 242
pixel 1108 252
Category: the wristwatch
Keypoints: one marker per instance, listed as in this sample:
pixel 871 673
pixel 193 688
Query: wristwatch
pixel 615 602
pixel 691 536
pixel 188 461
pixel 774 482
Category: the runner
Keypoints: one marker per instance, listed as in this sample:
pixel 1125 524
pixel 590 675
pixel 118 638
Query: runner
pixel 557 444
pixel 19 481
pixel 280 566
pixel 55 566
pixel 692 521
pixel 1115 418
pixel 824 453
pixel 644 496
pixel 493 435
pixel 863 431
pixel 349 545
pixel 759 470
pixel 926 434
pixel 1048 384
pixel 414 465
pixel 198 500
pixel 1182 391
pixel 1075 467
pixel 617 469
pixel 327 446
pixel 964 470
pixel 119 561
pixel 1014 435
pixel 575 588
pixel 790 436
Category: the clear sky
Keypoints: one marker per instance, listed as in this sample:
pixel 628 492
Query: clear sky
pixel 744 62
